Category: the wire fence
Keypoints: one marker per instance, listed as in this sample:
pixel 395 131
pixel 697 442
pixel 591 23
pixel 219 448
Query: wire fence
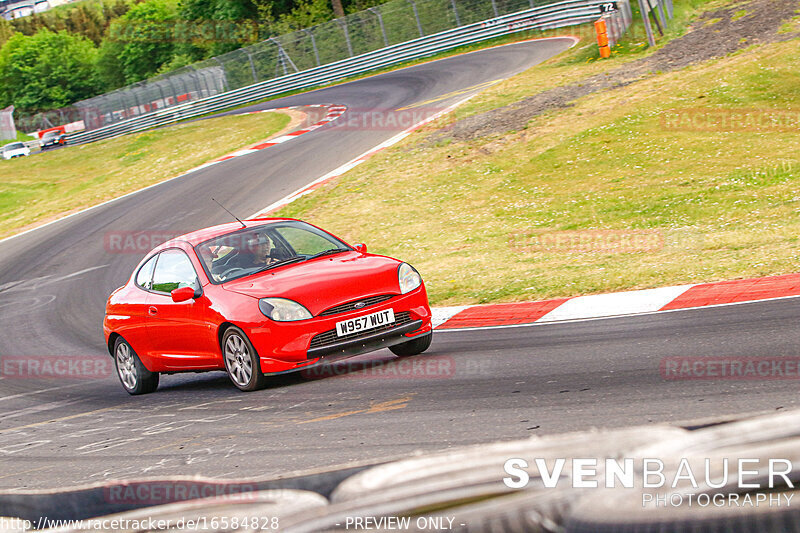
pixel 392 23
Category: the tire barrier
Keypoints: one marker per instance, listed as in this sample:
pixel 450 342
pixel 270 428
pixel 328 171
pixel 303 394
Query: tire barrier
pixel 115 497
pixel 451 480
pixel 471 489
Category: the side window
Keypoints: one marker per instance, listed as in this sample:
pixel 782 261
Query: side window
pixel 144 277
pixel 174 270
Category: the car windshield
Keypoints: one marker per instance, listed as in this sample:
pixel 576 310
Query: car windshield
pixel 51 134
pixel 14 146
pixel 260 248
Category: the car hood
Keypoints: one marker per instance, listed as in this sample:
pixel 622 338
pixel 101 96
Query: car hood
pixel 324 282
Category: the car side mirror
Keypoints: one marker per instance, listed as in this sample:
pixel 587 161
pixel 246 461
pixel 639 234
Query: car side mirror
pixel 361 247
pixel 182 294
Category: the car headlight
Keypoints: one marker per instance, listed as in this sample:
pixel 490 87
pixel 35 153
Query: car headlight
pixel 283 310
pixel 408 278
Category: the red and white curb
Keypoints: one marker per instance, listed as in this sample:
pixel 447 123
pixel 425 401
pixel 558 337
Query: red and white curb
pixel 334 112
pixel 618 304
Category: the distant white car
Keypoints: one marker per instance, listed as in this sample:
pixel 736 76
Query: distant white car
pixel 15 150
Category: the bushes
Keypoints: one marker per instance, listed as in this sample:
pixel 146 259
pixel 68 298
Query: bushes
pixel 47 70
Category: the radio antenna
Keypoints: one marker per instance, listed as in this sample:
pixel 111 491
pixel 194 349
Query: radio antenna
pixel 231 214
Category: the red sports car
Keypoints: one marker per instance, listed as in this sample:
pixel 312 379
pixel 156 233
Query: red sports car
pixel 260 297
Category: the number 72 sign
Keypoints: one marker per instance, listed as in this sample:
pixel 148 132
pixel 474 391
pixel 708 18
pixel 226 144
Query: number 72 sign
pixel 607 7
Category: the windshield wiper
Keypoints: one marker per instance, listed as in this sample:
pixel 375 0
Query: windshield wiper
pixel 327 252
pixel 286 261
pixel 299 258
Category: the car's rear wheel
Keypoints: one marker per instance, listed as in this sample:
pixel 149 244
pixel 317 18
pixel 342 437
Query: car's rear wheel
pixel 241 360
pixel 413 347
pixel 133 375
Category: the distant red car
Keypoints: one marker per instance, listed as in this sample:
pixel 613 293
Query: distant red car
pixel 266 296
pixel 52 138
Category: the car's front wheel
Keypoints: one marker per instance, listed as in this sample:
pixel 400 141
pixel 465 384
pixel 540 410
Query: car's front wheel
pixel 413 347
pixel 133 375
pixel 241 360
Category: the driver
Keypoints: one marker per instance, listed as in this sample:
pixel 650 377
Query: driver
pixel 259 251
pixel 253 252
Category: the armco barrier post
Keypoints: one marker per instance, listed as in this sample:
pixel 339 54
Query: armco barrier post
pixel 651 40
pixel 662 14
pixel 602 38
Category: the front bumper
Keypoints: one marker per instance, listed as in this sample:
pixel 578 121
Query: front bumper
pixel 367 342
pixel 288 346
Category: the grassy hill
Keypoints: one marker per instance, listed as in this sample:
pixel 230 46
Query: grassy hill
pixel 686 173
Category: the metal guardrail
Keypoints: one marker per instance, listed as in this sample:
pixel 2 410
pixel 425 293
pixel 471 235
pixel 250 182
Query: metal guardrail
pixel 561 14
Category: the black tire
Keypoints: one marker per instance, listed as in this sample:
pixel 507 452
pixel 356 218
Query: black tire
pixel 239 356
pixel 132 374
pixel 413 347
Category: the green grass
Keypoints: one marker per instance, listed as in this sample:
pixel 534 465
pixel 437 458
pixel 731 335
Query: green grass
pixel 40 187
pixel 739 15
pixel 724 204
pixel 584 60
pixel 792 25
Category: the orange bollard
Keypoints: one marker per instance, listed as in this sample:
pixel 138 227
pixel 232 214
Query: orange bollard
pixel 602 38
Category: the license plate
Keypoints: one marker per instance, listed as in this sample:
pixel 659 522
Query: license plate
pixel 364 323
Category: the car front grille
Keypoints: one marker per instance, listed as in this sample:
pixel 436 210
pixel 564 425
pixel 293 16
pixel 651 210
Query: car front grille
pixel 330 337
pixel 351 306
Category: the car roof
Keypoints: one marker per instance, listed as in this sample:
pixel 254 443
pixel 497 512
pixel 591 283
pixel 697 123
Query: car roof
pixel 196 237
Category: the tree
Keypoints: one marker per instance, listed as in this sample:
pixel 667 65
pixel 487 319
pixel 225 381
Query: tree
pixel 6 31
pixel 90 19
pixel 87 22
pixel 46 71
pixel 139 42
pixel 338 10
pixel 228 25
pixel 108 68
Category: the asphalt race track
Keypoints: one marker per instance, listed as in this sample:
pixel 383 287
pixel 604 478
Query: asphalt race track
pixel 470 387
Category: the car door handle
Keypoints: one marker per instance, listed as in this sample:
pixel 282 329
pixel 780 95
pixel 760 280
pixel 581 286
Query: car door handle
pixel 152 310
